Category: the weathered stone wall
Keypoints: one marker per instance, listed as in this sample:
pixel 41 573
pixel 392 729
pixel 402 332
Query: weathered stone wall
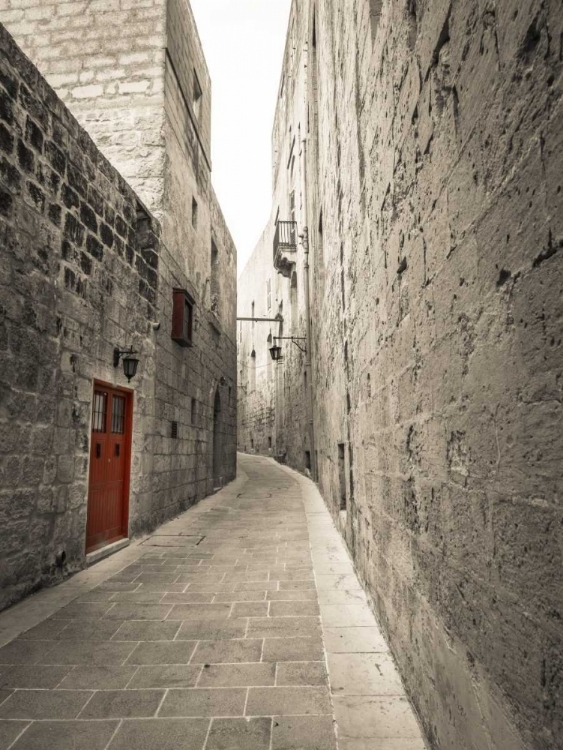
pixel 105 59
pixel 257 430
pixel 79 277
pixel 186 56
pixel 74 284
pixel 127 72
pixel 136 65
pixel 278 407
pixel 433 156
pixel 192 243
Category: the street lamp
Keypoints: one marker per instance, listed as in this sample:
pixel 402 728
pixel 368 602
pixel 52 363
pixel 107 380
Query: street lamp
pixel 130 362
pixel 276 353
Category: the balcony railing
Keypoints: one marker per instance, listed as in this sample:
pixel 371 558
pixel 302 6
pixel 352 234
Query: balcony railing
pixel 285 242
pixel 285 237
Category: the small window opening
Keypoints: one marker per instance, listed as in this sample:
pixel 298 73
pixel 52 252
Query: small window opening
pixel 270 443
pixel 314 30
pixel 308 460
pixel 292 205
pixel 214 277
pixel 198 96
pixel 194 213
pixel 174 430
pixel 342 475
pixel 253 371
pixel 293 297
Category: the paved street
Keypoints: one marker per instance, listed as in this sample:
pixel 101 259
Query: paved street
pixel 211 634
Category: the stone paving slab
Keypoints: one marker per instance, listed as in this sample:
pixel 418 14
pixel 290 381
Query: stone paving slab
pixel 219 646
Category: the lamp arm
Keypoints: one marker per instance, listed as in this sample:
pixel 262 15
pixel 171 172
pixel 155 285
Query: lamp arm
pixel 301 349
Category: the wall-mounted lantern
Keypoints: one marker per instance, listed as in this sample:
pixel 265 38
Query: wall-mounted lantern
pixel 130 362
pixel 276 353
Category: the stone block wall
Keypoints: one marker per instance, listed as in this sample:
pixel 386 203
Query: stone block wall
pixel 105 59
pixel 84 269
pixel 190 69
pixel 140 61
pixel 73 286
pixel 436 280
pixel 260 295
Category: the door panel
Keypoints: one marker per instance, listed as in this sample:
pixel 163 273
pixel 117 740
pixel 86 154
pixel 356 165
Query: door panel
pixel 109 467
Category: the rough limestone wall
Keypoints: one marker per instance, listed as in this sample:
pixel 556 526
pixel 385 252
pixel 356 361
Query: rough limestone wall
pixel 436 308
pixel 114 63
pixel 439 181
pixel 187 57
pixel 257 427
pixel 190 242
pixel 105 59
pixel 74 283
pixel 290 126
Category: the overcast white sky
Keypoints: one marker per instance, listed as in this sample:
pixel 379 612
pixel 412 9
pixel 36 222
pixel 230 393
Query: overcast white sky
pixel 243 42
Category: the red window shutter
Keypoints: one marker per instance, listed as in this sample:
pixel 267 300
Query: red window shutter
pixel 182 317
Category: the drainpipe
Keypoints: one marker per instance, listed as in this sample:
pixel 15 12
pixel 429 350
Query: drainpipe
pixel 309 344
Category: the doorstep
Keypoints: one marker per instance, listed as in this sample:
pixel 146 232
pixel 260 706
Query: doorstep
pixel 110 549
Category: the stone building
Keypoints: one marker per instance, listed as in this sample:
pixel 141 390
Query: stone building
pixel 92 263
pixel 420 145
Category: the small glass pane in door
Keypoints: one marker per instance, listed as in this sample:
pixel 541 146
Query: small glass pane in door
pixel 100 411
pixel 118 416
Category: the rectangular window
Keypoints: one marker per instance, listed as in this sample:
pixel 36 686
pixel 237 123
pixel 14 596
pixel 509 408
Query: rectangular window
pixel 194 213
pixel 182 317
pixel 198 96
pixel 174 430
pixel 269 294
pixel 214 278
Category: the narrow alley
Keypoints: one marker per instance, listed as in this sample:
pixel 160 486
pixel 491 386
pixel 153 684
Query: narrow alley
pixel 281 375
pixel 206 636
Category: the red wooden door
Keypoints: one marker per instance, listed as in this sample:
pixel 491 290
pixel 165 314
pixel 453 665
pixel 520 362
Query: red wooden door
pixel 110 450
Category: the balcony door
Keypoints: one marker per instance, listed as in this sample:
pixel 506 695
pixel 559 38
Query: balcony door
pixel 110 465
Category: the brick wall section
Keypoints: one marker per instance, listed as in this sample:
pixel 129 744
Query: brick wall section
pixel 437 347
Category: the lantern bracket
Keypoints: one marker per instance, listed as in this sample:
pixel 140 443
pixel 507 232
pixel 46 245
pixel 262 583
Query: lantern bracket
pixel 119 353
pixel 294 340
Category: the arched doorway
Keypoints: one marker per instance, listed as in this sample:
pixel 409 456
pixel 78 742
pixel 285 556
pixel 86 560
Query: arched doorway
pixel 217 443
